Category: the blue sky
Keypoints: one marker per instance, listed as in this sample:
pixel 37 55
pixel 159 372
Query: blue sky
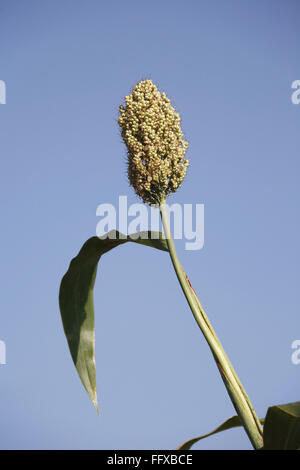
pixel 228 68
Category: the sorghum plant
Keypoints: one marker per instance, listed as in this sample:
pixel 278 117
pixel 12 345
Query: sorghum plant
pixel 151 130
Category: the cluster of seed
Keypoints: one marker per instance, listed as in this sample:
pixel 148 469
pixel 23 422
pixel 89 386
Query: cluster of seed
pixel 151 130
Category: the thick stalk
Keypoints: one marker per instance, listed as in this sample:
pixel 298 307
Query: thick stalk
pixel 202 312
pixel 236 391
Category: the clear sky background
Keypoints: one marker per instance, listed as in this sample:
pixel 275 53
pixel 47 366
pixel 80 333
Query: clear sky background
pixel 228 67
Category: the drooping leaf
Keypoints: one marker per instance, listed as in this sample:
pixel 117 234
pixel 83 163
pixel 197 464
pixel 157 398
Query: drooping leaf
pixel 282 427
pixel 76 299
pixel 230 423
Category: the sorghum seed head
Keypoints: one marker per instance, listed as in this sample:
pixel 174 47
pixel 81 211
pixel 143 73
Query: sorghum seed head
pixel 151 130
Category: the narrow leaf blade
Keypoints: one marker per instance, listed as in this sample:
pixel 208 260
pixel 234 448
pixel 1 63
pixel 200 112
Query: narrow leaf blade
pixel 230 423
pixel 76 299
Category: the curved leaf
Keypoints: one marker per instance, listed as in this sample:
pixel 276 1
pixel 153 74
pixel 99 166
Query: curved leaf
pixel 76 299
pixel 232 422
pixel 282 427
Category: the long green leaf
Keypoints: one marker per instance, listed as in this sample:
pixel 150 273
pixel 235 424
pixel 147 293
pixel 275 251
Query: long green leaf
pixel 232 422
pixel 76 300
pixel 282 427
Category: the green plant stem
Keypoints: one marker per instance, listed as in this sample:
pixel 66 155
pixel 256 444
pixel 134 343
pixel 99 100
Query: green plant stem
pixel 236 391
